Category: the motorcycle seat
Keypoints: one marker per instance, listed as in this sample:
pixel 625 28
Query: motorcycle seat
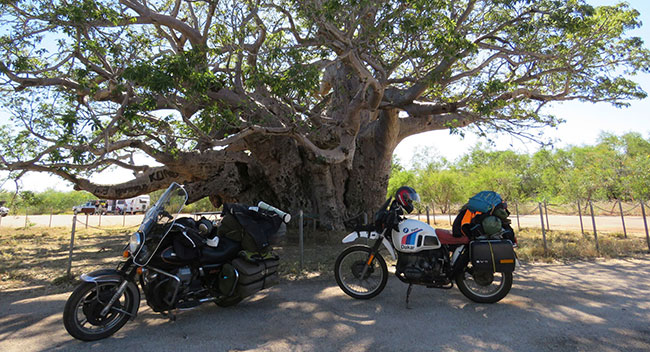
pixel 446 237
pixel 224 252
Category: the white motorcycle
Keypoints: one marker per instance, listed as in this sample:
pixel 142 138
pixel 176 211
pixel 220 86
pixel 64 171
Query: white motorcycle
pixel 481 267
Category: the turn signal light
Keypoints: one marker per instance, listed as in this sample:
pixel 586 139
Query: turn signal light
pixel 125 254
pixel 139 270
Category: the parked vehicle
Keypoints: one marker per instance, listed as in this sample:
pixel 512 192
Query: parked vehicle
pixel 138 204
pixel 179 263
pixel 87 208
pixel 4 211
pixel 482 267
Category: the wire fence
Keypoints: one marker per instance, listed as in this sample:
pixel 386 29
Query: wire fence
pixel 587 216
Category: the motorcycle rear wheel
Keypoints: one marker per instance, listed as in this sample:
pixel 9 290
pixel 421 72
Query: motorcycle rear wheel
pixel 81 315
pixel 484 287
pixel 348 271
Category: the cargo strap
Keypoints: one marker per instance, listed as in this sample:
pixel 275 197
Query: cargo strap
pixel 494 266
pixel 266 271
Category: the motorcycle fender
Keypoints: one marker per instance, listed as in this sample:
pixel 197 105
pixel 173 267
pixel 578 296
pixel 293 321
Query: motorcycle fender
pixel 372 235
pixel 112 275
pixel 360 234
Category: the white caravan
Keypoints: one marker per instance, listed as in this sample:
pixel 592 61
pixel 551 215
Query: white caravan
pixel 138 204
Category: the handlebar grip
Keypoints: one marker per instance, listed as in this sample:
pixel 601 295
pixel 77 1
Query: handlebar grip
pixel 285 216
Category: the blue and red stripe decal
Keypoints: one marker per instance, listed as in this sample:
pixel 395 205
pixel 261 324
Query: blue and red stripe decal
pixel 411 237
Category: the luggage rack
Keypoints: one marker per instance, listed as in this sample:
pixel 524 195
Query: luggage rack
pixel 210 215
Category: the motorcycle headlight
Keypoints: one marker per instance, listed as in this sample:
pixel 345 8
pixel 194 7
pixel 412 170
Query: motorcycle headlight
pixel 134 242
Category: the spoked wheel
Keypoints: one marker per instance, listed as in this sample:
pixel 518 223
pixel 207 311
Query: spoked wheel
pixel 82 314
pixel 359 274
pixel 484 286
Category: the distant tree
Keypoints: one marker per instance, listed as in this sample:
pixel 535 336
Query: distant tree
pixel 443 188
pixel 399 176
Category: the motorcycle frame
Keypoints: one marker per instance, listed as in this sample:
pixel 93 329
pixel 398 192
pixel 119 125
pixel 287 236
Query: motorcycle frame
pixel 458 261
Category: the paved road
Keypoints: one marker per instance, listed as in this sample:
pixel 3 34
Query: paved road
pixel 586 306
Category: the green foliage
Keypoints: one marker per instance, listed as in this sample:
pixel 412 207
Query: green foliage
pixel 49 201
pixel 616 168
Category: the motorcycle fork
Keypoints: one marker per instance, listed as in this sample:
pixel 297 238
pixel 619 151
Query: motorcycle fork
pixel 373 253
pixel 120 289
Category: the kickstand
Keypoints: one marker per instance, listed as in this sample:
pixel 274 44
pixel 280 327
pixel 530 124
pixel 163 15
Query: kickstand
pixel 408 294
pixel 169 315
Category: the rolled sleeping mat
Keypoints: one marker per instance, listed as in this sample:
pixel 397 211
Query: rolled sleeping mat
pixel 285 216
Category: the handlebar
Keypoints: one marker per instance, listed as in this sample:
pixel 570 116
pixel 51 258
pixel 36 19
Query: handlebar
pixel 285 216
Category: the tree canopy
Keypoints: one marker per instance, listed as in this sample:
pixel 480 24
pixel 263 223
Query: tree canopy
pixel 221 93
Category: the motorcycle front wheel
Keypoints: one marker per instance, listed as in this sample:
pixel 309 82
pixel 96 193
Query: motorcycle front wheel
pixel 82 313
pixel 484 286
pixel 360 274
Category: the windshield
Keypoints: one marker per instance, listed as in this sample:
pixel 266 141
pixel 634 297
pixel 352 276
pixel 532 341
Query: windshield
pixel 159 220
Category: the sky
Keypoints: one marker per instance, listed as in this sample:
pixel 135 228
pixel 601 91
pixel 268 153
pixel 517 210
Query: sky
pixel 585 122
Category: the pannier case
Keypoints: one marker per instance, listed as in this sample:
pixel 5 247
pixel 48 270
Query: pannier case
pixel 255 276
pixel 492 255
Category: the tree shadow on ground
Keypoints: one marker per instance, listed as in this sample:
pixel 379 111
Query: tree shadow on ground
pixel 586 306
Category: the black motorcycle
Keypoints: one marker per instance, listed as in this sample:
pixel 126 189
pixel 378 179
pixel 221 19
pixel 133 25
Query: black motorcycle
pixel 179 263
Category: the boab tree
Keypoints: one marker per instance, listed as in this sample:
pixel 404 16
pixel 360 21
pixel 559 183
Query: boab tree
pixel 299 103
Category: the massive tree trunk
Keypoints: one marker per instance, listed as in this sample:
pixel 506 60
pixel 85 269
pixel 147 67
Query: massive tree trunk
pixel 282 172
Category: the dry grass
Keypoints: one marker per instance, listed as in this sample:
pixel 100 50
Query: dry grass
pixel 38 257
pixel 569 245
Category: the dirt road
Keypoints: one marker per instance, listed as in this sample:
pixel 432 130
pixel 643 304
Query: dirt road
pixel 585 306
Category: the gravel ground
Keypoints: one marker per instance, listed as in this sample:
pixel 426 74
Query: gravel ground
pixel 583 306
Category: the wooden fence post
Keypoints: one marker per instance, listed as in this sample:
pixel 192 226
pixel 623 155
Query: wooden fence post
pixel 548 227
pixel 26 217
pixel 620 207
pixel 124 218
pixel 593 221
pixel 582 228
pixel 74 223
pixel 433 212
pixel 86 220
pixel 541 218
pixel 51 212
pixel 428 222
pixel 300 238
pixel 645 223
pixel 517 212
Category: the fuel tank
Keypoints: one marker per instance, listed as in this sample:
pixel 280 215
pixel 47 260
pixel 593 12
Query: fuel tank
pixel 415 236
